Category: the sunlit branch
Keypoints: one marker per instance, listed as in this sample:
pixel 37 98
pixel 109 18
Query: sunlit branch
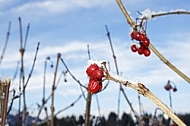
pixel 53 89
pixel 162 58
pixel 126 14
pixel 141 89
pixel 169 13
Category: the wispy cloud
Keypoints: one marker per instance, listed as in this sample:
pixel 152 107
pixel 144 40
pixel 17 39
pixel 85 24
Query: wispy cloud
pixel 55 7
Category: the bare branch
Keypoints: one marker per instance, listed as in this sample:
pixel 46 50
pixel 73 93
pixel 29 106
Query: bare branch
pixel 6 42
pixel 126 14
pixel 162 58
pixel 169 13
pixel 143 90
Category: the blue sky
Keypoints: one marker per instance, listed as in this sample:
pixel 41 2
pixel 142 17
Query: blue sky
pixel 69 26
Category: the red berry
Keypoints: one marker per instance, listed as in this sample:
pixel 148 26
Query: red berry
pixel 146 42
pixel 174 89
pixel 93 86
pixel 140 50
pixel 146 52
pixel 91 69
pixel 135 35
pixel 134 48
pixel 142 37
pixel 168 87
pixel 97 74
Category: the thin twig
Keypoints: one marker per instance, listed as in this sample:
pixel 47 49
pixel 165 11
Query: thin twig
pixel 16 72
pixel 6 42
pixel 121 88
pixel 44 76
pixel 41 107
pixel 71 105
pixel 30 74
pixel 26 37
pixel 81 85
pixel 117 70
pixel 169 13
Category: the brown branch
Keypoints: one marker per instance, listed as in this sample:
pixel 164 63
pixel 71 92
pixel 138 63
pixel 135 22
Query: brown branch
pixel 88 106
pixel 53 89
pixel 6 42
pixel 126 14
pixel 162 58
pixel 121 88
pixel 169 13
pixel 141 89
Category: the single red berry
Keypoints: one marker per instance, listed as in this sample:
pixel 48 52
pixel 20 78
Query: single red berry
pixel 168 87
pixel 141 50
pixel 146 52
pixel 174 89
pixel 146 42
pixel 142 37
pixel 97 74
pixel 91 69
pixel 93 86
pixel 134 48
pixel 135 35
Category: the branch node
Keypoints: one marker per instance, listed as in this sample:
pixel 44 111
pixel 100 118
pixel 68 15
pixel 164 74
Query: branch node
pixel 142 89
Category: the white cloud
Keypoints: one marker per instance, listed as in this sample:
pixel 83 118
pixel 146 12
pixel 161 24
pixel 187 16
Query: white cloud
pixel 55 7
pixel 132 66
pixel 6 3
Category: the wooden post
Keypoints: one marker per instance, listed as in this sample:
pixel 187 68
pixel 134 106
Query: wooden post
pixel 4 94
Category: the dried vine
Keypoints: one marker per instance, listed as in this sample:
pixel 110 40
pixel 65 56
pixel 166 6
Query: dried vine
pixel 162 58
pixel 143 90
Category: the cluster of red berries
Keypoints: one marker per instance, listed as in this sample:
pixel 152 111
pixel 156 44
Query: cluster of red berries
pixel 143 42
pixel 95 81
